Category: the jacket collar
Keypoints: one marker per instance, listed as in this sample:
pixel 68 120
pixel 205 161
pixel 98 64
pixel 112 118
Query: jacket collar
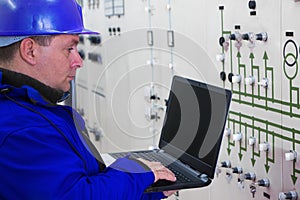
pixel 36 90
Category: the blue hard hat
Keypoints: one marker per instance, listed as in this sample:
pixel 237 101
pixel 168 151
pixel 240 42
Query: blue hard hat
pixel 41 17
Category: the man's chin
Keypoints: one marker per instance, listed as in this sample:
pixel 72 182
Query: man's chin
pixel 66 88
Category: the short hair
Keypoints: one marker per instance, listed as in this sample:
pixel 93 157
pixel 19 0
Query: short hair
pixel 7 53
pixel 44 40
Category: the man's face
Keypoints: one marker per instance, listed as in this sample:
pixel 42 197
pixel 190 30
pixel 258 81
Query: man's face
pixel 58 62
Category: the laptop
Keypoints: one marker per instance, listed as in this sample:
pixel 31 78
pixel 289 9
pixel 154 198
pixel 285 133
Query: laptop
pixel 191 135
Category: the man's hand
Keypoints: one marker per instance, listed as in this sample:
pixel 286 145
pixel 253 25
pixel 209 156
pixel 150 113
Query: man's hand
pixel 160 171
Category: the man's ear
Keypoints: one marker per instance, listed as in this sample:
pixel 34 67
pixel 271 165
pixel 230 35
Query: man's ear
pixel 28 50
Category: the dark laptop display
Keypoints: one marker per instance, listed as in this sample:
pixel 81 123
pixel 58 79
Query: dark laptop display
pixel 194 123
pixel 191 135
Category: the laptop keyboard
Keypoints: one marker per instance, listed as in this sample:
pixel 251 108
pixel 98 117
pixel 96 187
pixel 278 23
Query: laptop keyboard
pixel 154 156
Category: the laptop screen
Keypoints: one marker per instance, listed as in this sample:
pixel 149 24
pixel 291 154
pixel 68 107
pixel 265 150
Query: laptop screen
pixel 194 123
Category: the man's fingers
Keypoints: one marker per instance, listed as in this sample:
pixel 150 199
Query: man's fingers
pixel 169 193
pixel 159 170
pixel 164 173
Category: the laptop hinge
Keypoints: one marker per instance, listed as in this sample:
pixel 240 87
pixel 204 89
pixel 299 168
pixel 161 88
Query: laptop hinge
pixel 203 177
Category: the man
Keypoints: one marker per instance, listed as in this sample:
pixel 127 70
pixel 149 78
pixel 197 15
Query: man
pixel 44 148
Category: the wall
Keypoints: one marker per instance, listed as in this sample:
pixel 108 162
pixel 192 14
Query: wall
pixel 215 39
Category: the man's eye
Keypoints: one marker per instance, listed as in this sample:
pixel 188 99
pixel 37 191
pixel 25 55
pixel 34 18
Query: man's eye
pixel 70 49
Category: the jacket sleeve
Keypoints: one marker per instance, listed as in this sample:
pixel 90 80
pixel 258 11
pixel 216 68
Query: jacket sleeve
pixel 153 196
pixel 36 163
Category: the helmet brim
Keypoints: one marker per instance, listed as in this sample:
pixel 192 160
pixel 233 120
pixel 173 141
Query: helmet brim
pixel 8 40
pixel 86 31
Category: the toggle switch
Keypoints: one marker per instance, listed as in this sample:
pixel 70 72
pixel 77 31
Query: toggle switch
pixel 223 76
pixel 251 141
pixel 263 182
pixel 288 195
pixel 152 61
pixel 81 39
pixel 291 155
pixel 118 31
pixel 151 94
pixel 238 136
pixel 226 164
pixel 230 75
pixel 218 171
pixel 262 36
pixel 110 31
pixel 250 80
pixel 249 36
pixel 220 57
pixel 264 146
pixel 98 133
pixel 150 9
pixel 171 65
pixel 168 7
pixel 237 36
pixel 236 78
pixel 82 54
pixel 114 30
pixel 250 176
pixel 227 132
pixel 264 83
pixel 95 39
pixel 237 170
pixel 222 41
pixel 95 57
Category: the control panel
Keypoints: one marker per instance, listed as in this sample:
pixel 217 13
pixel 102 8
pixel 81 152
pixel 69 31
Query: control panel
pixel 250 47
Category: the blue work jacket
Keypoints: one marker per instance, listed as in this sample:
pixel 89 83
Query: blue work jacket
pixel 43 155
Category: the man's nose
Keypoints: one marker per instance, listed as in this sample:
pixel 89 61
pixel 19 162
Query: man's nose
pixel 77 61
